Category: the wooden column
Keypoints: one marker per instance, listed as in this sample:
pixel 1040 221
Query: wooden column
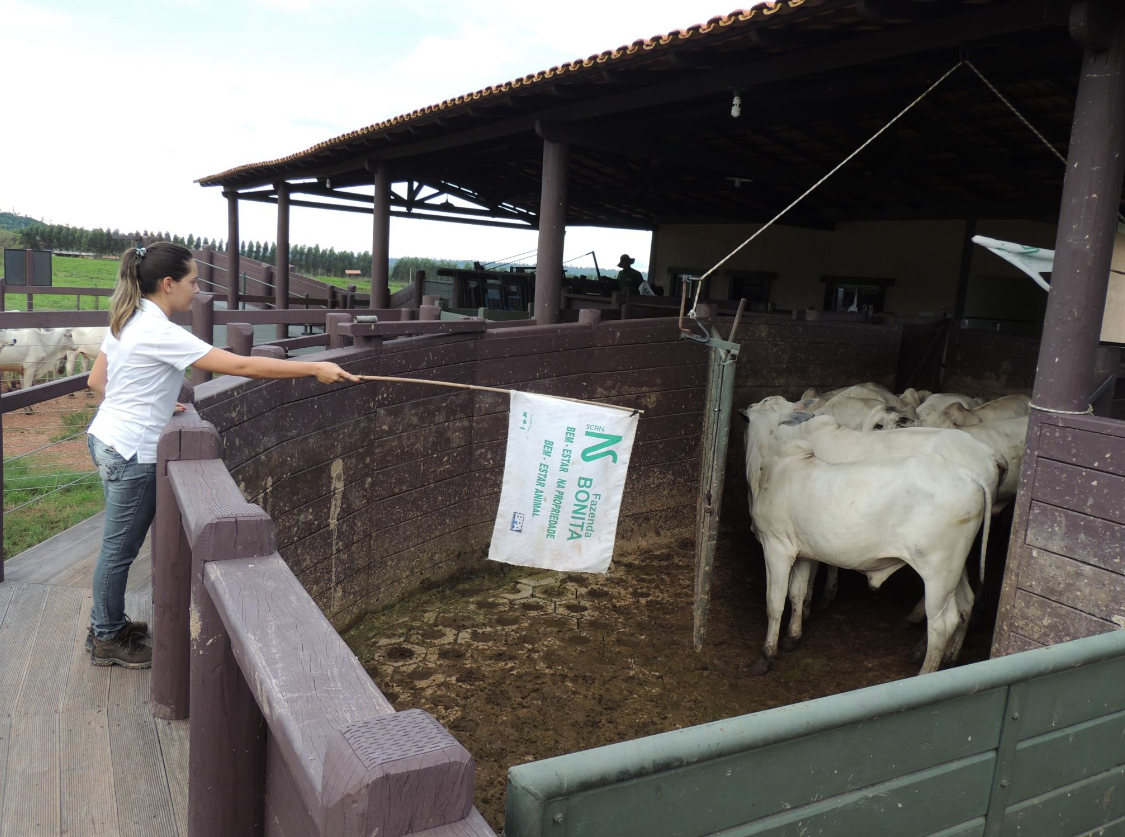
pixel 1090 203
pixel 552 229
pixel 233 266
pixel 381 238
pixel 419 288
pixel 185 437
pixel 281 273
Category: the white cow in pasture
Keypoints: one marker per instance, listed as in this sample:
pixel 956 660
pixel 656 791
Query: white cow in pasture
pixel 87 342
pixel 33 351
pixel 1007 407
pixel 927 510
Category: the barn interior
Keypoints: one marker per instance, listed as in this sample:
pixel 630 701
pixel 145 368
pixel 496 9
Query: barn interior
pixel 704 135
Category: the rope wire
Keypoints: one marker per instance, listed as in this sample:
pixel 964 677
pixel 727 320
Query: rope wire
pixel 1050 146
pixel 48 494
pixel 815 186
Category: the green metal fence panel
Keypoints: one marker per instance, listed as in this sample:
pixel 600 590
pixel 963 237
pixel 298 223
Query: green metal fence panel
pixel 1019 745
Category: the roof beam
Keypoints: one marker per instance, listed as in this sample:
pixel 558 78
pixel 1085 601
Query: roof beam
pixel 431 213
pixel 904 9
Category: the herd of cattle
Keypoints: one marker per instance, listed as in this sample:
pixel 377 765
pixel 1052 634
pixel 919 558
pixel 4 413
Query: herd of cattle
pixel 826 488
pixel 37 352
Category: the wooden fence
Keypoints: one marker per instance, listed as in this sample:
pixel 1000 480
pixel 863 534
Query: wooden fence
pixel 1028 745
pixel 288 734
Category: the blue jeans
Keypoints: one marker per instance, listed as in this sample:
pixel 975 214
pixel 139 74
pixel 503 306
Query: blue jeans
pixel 130 505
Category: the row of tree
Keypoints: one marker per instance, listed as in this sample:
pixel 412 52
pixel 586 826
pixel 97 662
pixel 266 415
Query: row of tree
pixel 312 261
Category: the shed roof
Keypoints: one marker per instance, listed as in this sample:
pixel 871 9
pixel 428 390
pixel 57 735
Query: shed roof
pixel 653 140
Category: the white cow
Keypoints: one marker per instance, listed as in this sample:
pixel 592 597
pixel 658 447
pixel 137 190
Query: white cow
pixel 87 341
pixel 33 352
pixel 1007 438
pixel 836 444
pixel 875 517
pixel 1007 407
pixel 938 401
pixel 864 414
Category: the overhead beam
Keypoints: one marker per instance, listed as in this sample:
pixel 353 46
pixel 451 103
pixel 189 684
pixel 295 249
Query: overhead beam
pixel 430 215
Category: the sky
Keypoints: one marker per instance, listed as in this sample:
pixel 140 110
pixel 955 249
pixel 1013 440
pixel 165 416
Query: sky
pixel 116 107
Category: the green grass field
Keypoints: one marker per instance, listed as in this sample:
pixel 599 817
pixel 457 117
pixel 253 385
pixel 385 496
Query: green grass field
pixel 70 273
pixel 102 273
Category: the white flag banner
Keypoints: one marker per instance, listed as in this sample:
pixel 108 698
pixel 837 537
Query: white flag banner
pixel 1034 261
pixel 564 474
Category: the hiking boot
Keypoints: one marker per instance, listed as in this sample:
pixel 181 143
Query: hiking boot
pixel 133 627
pixel 128 649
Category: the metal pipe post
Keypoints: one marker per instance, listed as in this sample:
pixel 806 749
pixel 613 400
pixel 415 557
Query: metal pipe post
pixel 281 278
pixel 552 229
pixel 233 266
pixel 381 238
pixel 1087 224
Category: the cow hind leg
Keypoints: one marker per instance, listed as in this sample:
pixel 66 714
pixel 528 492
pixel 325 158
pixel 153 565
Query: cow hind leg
pixel 800 587
pixel 964 603
pixel 778 567
pixel 831 587
pixel 942 618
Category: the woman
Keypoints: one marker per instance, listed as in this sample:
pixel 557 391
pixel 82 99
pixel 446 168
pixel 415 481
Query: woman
pixel 139 370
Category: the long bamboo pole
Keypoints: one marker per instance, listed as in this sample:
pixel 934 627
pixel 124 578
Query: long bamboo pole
pixel 392 380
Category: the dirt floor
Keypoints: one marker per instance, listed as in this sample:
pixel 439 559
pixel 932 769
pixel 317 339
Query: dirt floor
pixel 523 664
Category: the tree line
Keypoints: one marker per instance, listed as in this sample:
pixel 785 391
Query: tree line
pixel 312 261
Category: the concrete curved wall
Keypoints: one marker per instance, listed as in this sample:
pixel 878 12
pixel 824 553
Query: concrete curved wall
pixel 379 489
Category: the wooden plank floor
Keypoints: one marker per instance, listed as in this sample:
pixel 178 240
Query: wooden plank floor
pixel 80 753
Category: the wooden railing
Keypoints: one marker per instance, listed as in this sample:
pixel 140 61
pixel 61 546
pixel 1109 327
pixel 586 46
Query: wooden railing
pixel 288 734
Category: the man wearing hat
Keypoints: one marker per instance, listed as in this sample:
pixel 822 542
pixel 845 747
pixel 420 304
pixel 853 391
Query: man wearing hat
pixel 629 278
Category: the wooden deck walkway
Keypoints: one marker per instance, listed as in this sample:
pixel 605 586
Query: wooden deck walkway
pixel 80 753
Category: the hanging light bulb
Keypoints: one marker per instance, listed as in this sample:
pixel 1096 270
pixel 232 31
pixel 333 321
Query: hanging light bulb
pixel 736 105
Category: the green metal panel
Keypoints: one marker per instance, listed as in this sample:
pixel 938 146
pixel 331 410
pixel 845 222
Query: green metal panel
pixel 918 805
pixel 809 768
pixel 720 793
pixel 1110 829
pixel 1068 755
pixel 1070 810
pixel 1067 698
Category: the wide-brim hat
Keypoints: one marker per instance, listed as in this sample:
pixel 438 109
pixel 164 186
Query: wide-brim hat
pixel 625 260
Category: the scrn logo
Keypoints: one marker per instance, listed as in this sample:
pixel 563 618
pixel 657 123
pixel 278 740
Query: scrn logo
pixel 525 421
pixel 517 522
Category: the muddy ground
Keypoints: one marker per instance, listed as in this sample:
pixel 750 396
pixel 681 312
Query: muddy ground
pixel 522 665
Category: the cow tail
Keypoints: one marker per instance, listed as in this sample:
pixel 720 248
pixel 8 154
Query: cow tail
pixel 986 526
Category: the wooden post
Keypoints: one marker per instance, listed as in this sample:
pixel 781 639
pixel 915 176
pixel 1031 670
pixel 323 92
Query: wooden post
pixel 332 327
pixel 281 280
pixel 552 229
pixel 1087 224
pixel 207 269
pixel 351 297
pixel 233 266
pixel 381 238
pixel 2 297
pixel 226 749
pixel 429 312
pixel 419 288
pixel 186 437
pixel 240 336
pixel 331 297
pixel 1 478
pixel 431 299
pixel 203 327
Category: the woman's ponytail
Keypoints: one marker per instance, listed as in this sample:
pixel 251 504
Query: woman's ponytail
pixel 140 273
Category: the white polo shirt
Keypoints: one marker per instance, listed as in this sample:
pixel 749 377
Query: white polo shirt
pixel 145 370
